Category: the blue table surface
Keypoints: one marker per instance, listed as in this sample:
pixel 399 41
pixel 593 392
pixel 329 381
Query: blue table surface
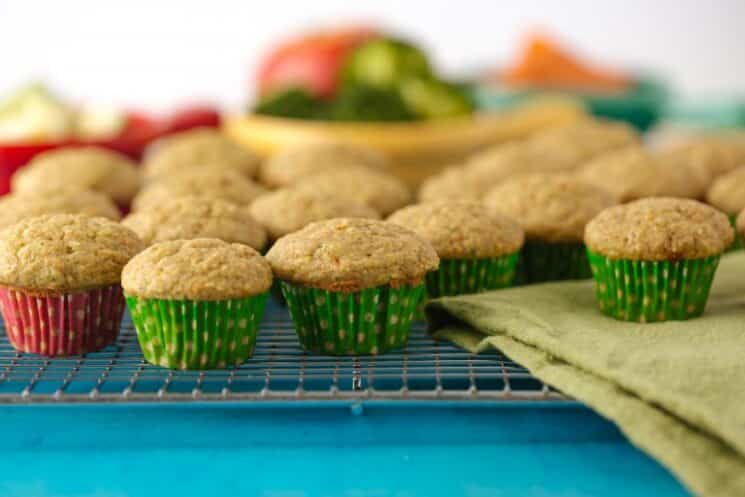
pixel 333 449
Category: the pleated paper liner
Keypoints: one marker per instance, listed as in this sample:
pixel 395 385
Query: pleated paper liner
pixel 543 261
pixel 738 243
pixel 367 322
pixel 187 334
pixel 62 325
pixel 648 291
pixel 463 276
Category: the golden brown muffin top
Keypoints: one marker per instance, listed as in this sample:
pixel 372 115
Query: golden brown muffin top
pixel 658 229
pixel 461 229
pixel 225 185
pixel 206 148
pixel 710 156
pixel 634 173
pixel 198 269
pixel 727 192
pixel 549 207
pixel 488 168
pixel 582 140
pixel 457 183
pixel 352 254
pixel 84 168
pixel 290 209
pixel 186 218
pixel 382 192
pixel 62 253
pixel 297 162
pixel 17 206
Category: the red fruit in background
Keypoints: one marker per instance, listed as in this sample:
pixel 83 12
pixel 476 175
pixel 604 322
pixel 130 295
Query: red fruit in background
pixel 311 62
pixel 193 117
pixel 138 132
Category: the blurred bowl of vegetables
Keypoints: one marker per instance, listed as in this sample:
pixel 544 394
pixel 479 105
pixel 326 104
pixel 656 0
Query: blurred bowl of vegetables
pixel 543 67
pixel 34 120
pixel 362 86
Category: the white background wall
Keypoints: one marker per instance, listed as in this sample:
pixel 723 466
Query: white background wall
pixel 155 54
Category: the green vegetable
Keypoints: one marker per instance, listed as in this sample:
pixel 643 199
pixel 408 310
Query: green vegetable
pixel 294 103
pixel 431 99
pixel 384 63
pixel 365 103
pixel 382 80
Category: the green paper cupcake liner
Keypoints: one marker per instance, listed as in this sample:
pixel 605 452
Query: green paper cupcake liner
pixel 463 276
pixel 368 322
pixel 648 291
pixel 738 243
pixel 186 334
pixel 542 261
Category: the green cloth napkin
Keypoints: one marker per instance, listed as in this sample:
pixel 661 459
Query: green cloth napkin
pixel 676 389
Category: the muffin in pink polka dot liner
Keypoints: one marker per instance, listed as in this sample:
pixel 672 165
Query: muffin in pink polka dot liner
pixel 60 291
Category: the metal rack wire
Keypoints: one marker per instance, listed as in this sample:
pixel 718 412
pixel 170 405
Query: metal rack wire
pixel 279 371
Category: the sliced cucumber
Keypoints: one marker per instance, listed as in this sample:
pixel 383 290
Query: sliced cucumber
pixel 384 63
pixel 433 99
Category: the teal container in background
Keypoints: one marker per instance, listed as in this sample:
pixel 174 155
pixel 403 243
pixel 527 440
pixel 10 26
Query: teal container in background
pixel 641 106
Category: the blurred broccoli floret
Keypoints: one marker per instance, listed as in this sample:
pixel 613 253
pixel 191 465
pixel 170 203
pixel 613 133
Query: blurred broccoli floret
pixel 294 103
pixel 384 63
pixel 365 103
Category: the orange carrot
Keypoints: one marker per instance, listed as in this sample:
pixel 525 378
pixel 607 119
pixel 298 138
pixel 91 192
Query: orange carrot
pixel 544 63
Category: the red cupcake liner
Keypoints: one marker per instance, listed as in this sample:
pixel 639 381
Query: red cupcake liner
pixel 62 325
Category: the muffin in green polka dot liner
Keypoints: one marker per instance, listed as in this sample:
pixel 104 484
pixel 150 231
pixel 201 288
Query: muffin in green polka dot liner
pixel 553 209
pixel 352 285
pixel 478 250
pixel 655 259
pixel 540 262
pixel 187 334
pixel 197 304
pixel 463 276
pixel 368 322
pixel 648 291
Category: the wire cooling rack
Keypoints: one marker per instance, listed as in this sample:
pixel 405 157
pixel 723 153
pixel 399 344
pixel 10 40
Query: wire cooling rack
pixel 279 371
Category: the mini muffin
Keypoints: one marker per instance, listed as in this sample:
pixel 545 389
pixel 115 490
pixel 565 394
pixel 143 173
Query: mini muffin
pixel 654 259
pixel 204 148
pixel 487 169
pixel 478 250
pixel 381 191
pixel 84 168
pixel 186 218
pixel 352 285
pixel 59 282
pixel 223 185
pixel 634 173
pixel 197 304
pixel 300 161
pixel 585 139
pixel 727 193
pixel 710 156
pixel 289 209
pixel 18 206
pixel 553 210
